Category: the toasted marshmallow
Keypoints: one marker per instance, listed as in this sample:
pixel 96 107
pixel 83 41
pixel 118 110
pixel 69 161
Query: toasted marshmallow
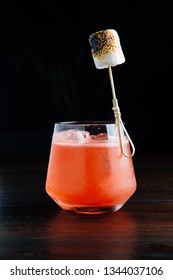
pixel 106 48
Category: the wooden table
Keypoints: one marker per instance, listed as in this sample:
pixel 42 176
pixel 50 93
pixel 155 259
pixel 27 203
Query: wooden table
pixel 33 227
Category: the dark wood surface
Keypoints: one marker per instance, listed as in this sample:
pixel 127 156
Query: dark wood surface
pixel 33 227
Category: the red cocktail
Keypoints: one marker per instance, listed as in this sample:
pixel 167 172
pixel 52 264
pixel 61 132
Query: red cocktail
pixel 87 170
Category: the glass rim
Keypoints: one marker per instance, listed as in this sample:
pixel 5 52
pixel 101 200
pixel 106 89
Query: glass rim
pixel 83 123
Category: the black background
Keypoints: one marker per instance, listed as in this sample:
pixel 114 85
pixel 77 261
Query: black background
pixel 47 73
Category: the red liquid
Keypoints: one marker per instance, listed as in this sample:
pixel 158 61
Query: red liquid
pixel 90 174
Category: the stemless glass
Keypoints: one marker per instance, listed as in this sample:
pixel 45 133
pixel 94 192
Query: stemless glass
pixel 87 171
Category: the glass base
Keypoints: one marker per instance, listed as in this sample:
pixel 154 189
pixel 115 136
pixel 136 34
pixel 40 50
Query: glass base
pixel 88 209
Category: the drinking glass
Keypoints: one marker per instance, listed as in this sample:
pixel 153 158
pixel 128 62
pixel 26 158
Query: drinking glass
pixel 87 171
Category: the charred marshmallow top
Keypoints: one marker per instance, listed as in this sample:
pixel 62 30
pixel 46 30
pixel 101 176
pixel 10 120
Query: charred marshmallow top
pixel 106 49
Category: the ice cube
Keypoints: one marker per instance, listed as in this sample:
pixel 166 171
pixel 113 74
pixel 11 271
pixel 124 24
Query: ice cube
pixel 73 136
pixel 102 136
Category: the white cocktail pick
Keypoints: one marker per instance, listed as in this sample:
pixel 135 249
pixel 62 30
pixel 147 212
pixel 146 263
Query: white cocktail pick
pixel 118 119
